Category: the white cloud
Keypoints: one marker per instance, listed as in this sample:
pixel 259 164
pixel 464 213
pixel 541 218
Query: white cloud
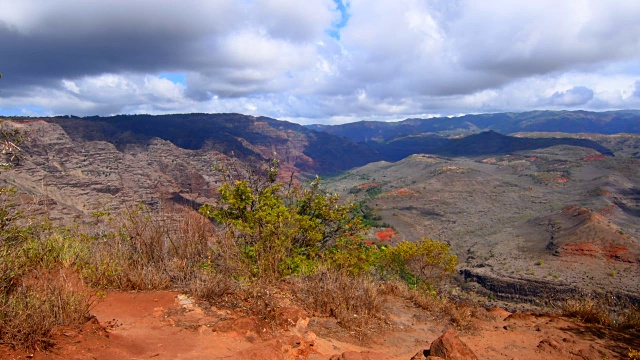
pixel 393 59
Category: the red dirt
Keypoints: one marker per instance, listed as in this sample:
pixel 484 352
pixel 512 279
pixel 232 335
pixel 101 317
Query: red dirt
pixel 367 185
pixel 594 158
pixel 401 192
pixel 166 325
pixel 386 234
pixel 591 234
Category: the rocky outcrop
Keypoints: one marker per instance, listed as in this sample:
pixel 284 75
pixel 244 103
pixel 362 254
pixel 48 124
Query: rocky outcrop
pixel 449 347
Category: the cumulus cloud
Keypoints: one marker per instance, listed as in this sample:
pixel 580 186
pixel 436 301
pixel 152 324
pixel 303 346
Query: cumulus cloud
pixel 578 95
pixel 318 60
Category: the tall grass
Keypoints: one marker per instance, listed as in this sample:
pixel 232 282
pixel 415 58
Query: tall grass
pixel 35 294
pixel 604 311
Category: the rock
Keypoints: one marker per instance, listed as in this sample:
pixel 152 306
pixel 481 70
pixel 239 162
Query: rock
pixel 289 316
pixel 424 355
pixel 522 316
pixel 450 347
pixel 499 313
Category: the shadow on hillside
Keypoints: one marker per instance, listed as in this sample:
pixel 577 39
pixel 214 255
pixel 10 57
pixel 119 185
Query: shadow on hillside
pixel 622 341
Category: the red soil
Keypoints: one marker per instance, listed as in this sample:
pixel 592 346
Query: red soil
pixel 386 234
pixel 367 185
pixel 594 157
pixel 401 192
pixel 166 325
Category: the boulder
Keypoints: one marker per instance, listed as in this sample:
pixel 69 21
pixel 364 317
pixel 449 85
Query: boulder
pixel 448 346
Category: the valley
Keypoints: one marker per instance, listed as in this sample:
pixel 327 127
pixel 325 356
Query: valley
pixel 555 222
pixel 555 214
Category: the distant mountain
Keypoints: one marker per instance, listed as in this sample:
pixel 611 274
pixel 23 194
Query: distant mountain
pixel 80 165
pixel 491 142
pixel 247 137
pixel 610 122
pixel 302 148
pixel 485 143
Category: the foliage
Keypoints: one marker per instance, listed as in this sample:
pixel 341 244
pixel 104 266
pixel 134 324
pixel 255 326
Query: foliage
pixel 35 295
pixel 10 138
pixel 353 300
pixel 142 249
pixel 367 216
pixel 281 229
pixel 425 262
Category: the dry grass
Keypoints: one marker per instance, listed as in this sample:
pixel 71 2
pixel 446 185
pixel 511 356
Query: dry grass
pixel 460 314
pixel 587 310
pixel 30 312
pixel 147 250
pixel 354 301
pixel 630 319
pixel 603 311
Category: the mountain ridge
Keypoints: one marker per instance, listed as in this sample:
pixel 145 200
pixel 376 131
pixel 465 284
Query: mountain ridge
pixel 609 122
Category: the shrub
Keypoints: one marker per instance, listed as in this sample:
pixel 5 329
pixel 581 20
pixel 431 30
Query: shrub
pixel 35 295
pixel 353 300
pixel 426 262
pixel 281 229
pixel 587 310
pixel 146 250
pixel 29 312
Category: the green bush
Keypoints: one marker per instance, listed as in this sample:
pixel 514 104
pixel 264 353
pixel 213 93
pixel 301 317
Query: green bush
pixel 281 229
pixel 426 262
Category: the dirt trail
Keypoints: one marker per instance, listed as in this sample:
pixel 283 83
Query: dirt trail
pixel 168 325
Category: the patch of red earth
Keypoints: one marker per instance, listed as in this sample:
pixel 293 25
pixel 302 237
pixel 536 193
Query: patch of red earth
pixel 560 179
pixel 386 234
pixel 401 192
pixel 609 251
pixel 584 249
pixel 163 325
pixel 367 185
pixel 594 157
pixel 575 210
pixel 607 210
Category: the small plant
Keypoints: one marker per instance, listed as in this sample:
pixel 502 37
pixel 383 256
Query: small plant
pixel 353 300
pixel 586 310
pixel 425 262
pixel 539 262
pixel 612 273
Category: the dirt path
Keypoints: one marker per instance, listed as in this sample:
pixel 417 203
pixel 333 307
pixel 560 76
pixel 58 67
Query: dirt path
pixel 168 325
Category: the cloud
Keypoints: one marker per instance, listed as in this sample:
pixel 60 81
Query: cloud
pixel 318 60
pixel 579 95
pixel 636 89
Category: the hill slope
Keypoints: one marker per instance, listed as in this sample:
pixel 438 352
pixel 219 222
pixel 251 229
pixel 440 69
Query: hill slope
pixel 512 218
pixel 610 122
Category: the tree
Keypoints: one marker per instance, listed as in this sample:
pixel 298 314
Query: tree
pixel 281 228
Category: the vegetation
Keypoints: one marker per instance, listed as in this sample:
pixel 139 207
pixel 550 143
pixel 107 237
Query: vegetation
pixel 268 233
pixel 35 295
pixel 604 311
pixel 281 229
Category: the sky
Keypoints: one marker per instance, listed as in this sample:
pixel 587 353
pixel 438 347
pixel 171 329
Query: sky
pixel 317 61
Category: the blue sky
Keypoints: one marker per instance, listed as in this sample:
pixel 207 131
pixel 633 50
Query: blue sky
pixel 318 61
